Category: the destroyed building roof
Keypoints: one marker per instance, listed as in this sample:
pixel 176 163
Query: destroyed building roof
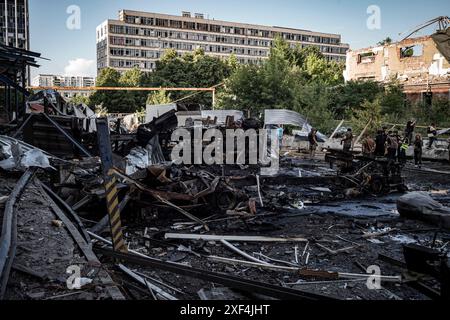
pixel 442 40
pixel 14 59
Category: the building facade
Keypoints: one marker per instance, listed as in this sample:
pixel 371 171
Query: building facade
pixel 51 80
pixel 416 63
pixel 139 39
pixel 14 23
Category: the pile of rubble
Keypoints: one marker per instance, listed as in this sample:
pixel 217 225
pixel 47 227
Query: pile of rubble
pixel 334 229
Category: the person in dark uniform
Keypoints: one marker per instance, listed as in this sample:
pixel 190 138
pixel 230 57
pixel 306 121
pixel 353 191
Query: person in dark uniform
pixel 313 143
pixel 409 130
pixel 380 142
pixel 348 140
pixel 368 146
pixel 418 148
pixel 392 146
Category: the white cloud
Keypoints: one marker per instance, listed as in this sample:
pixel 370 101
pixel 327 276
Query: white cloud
pixel 80 67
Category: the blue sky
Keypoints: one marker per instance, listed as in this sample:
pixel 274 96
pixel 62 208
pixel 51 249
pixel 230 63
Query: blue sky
pixel 74 51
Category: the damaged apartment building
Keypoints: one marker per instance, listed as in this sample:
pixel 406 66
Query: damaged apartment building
pixel 139 39
pixel 421 65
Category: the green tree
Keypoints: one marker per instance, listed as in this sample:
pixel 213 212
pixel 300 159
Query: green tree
pixel 192 70
pixel 440 112
pixel 370 111
pixel 385 42
pixel 79 99
pixel 158 97
pixel 131 78
pixel 313 102
pixel 108 78
pixel 119 101
pixel 291 78
pixel 243 90
pixel 347 98
pixel 393 102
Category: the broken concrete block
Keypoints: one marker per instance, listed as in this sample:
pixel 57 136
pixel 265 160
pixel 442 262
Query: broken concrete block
pixel 420 206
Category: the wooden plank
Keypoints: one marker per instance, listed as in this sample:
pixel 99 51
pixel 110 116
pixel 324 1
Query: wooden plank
pixel 207 237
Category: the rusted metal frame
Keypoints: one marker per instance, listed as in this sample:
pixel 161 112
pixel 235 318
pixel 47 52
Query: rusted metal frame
pixel 8 240
pixel 186 197
pixel 158 197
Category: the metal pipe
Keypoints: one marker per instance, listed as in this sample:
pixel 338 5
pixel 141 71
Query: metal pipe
pixel 9 231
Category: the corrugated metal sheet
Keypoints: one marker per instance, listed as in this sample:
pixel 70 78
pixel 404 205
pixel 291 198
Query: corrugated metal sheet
pixel 288 117
pixel 284 117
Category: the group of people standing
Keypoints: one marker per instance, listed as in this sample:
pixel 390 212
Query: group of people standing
pixel 394 146
pixel 388 144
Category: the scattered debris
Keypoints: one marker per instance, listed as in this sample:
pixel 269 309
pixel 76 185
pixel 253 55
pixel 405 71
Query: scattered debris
pixel 420 205
pixel 185 228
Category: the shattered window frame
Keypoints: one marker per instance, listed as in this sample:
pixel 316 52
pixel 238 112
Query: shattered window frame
pixel 412 53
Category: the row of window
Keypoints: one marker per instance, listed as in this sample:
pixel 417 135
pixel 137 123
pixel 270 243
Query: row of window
pixel 151 43
pixel 150 54
pixel 147 65
pixel 123 41
pixel 225 29
pixel 191 36
pixel 187 47
pixel 151 65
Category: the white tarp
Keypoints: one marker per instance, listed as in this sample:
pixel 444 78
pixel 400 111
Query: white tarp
pixel 18 156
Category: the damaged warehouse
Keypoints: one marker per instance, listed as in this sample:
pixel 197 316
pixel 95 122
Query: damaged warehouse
pixel 183 201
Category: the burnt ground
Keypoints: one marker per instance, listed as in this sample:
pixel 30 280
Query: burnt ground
pixel 315 211
pixel 44 252
pixel 326 220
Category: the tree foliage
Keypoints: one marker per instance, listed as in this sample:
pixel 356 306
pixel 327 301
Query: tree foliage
pixel 291 78
pixel 385 42
pixel 79 99
pixel 191 70
pixel 159 97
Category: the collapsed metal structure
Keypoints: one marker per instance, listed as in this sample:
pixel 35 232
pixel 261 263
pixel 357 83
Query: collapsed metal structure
pixel 14 66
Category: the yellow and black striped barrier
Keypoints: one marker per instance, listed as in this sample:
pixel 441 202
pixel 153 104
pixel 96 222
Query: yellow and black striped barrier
pixel 112 203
